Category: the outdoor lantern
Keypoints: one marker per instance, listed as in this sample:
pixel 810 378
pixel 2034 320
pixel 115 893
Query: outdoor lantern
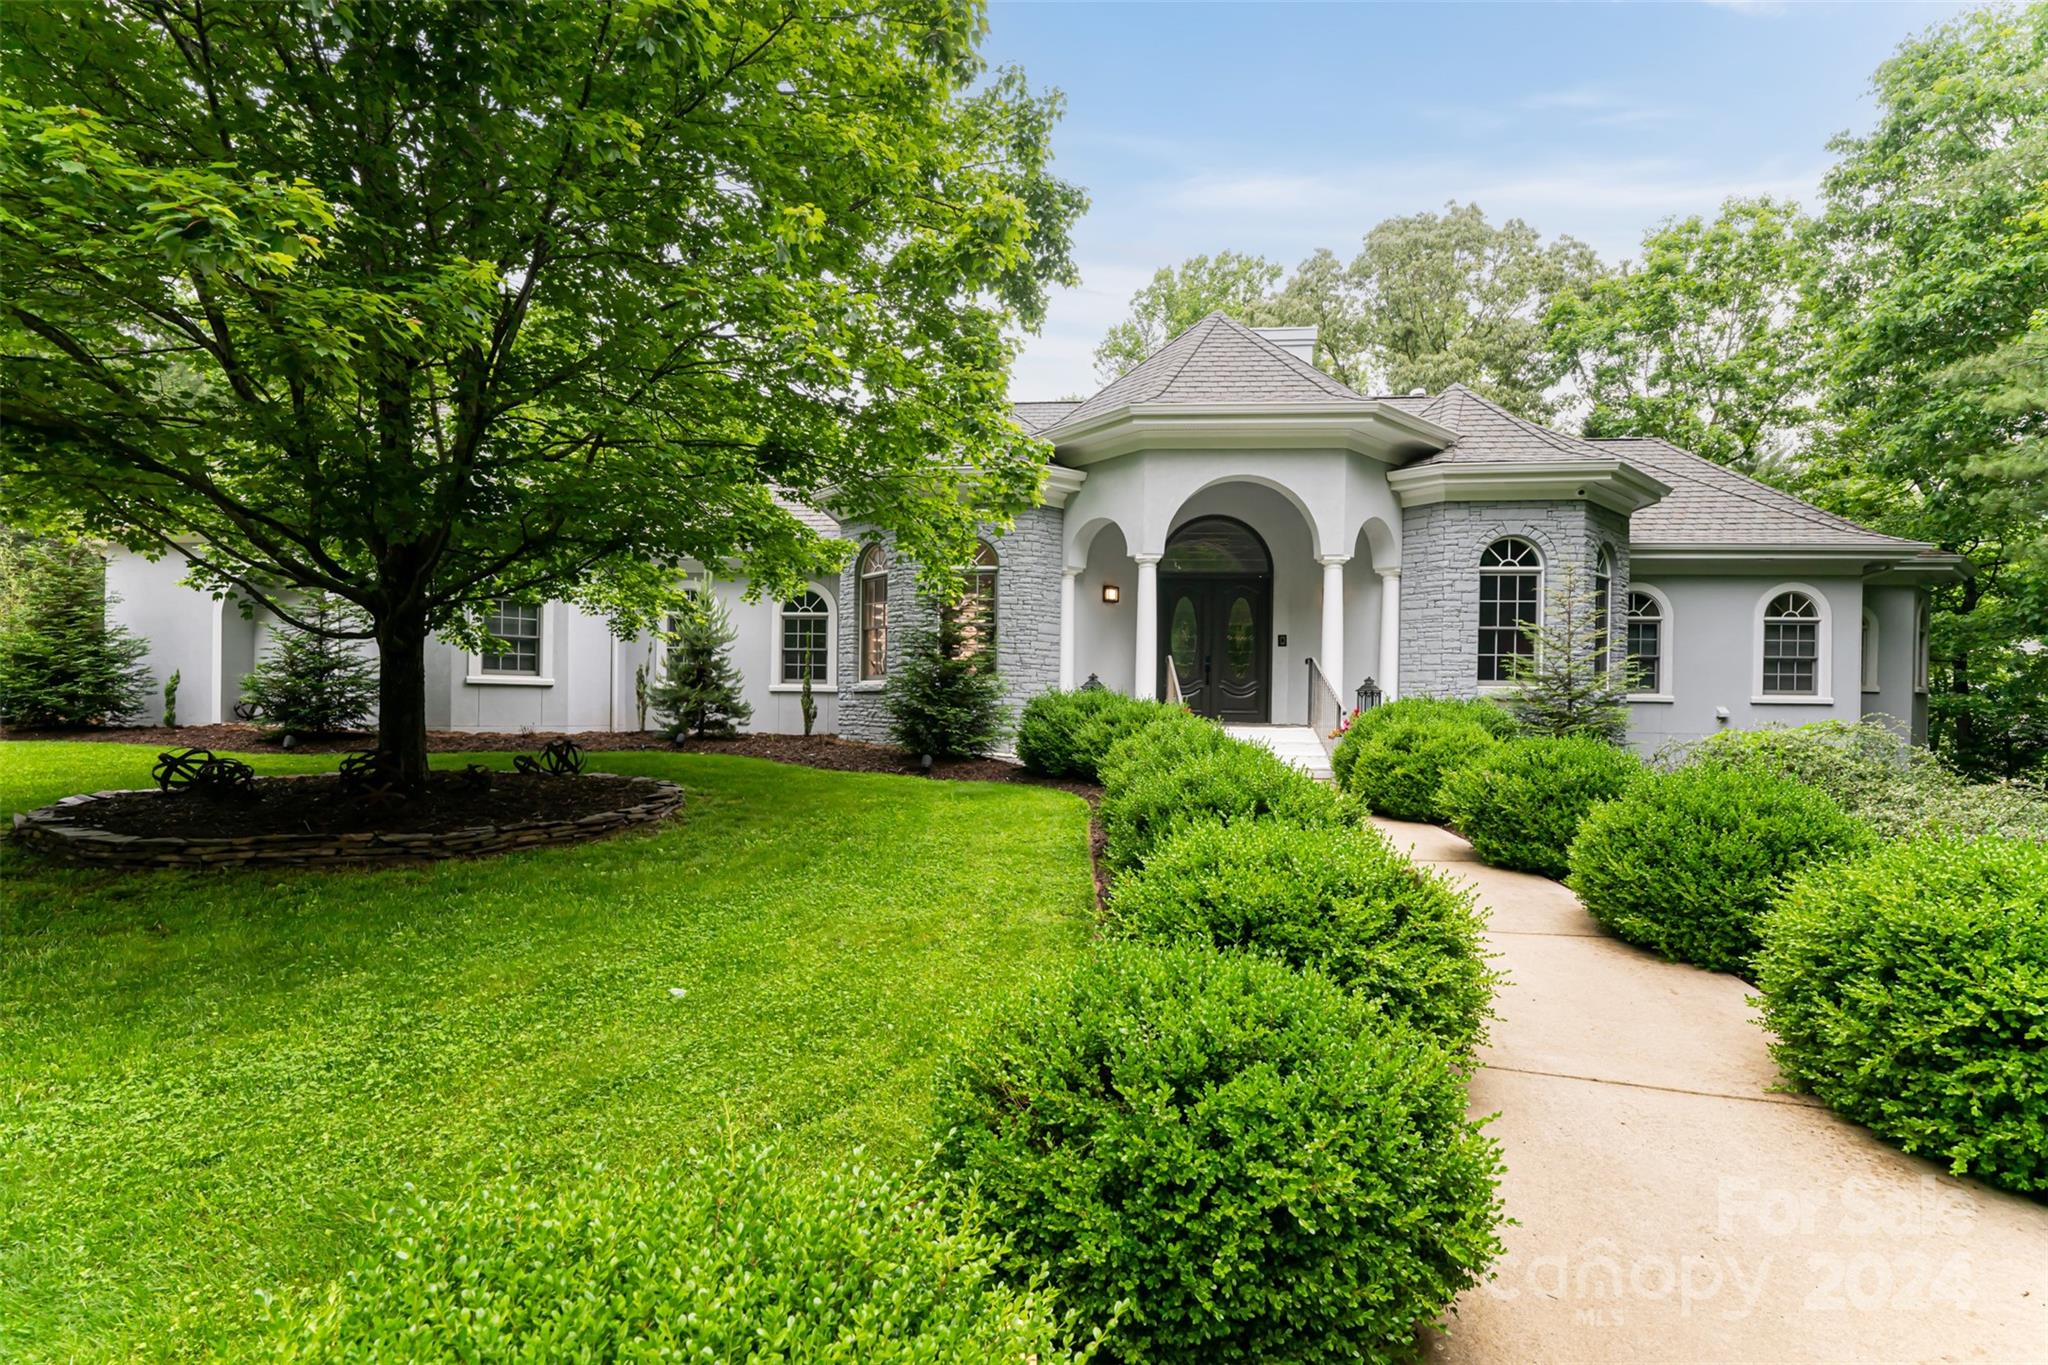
pixel 1112 593
pixel 1368 695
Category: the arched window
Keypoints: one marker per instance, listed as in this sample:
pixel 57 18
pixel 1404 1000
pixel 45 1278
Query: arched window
pixel 1603 616
pixel 1646 644
pixel 1510 596
pixel 976 609
pixel 1792 642
pixel 805 650
pixel 873 577
pixel 1870 674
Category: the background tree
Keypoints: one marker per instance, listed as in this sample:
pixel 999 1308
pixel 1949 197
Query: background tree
pixel 1181 296
pixel 61 664
pixel 1450 298
pixel 1935 277
pixel 1571 684
pixel 420 302
pixel 1703 343
pixel 700 691
pixel 314 681
pixel 1321 294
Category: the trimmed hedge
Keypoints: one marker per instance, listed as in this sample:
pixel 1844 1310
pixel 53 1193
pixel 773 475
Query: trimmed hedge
pixel 1254 1163
pixel 1686 863
pixel 1347 905
pixel 719 1260
pixel 1493 718
pixel 1229 783
pixel 1521 802
pixel 1909 990
pixel 1066 734
pixel 1398 768
pixel 1171 735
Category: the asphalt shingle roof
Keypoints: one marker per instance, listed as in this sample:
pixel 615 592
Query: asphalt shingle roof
pixel 1711 504
pixel 1488 433
pixel 1037 417
pixel 1218 360
pixel 821 522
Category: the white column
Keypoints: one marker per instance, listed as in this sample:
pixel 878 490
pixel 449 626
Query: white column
pixel 1145 676
pixel 1390 633
pixel 1067 584
pixel 1332 651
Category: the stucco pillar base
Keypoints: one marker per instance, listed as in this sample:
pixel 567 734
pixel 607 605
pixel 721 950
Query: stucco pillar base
pixel 1332 660
pixel 1145 676
pixel 1068 580
pixel 1390 633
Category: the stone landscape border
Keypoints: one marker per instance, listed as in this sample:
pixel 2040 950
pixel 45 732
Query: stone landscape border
pixel 52 830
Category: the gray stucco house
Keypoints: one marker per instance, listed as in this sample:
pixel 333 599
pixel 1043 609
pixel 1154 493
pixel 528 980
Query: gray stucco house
pixel 1230 508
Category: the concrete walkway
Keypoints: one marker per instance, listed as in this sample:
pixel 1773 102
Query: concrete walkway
pixel 1670 1205
pixel 1297 744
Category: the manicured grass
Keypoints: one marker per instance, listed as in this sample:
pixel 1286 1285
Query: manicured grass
pixel 208 1081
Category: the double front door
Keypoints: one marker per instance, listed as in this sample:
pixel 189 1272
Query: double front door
pixel 1214 629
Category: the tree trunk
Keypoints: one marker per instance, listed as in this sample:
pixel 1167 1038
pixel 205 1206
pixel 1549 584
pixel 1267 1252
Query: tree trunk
pixel 402 696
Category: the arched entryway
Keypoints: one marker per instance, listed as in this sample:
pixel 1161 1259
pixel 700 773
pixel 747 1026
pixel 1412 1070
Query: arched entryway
pixel 1215 614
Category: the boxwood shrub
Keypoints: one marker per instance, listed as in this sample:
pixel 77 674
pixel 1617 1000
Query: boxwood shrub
pixel 1168 736
pixel 1909 990
pixel 1686 863
pixel 1520 803
pixel 1259 1164
pixel 1065 734
pixel 1345 904
pixel 1228 783
pixel 1398 768
pixel 1494 719
pixel 724 1259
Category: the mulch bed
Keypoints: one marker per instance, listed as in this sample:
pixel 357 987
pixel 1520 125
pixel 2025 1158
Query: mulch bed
pixel 318 805
pixel 811 751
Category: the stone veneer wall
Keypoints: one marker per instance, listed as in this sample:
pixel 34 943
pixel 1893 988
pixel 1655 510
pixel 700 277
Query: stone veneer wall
pixel 1028 563
pixel 1441 544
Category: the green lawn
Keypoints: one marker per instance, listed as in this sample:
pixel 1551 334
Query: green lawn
pixel 208 1081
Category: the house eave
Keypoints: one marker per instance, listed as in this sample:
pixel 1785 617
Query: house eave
pixel 1901 563
pixel 1613 484
pixel 1368 428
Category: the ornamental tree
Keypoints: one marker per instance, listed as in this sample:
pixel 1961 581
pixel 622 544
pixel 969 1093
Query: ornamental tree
pixel 419 302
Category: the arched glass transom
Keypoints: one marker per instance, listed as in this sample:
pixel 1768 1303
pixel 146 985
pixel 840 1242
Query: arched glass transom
pixel 1216 545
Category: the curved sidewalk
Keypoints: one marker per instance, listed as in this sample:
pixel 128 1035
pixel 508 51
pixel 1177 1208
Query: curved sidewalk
pixel 1670 1205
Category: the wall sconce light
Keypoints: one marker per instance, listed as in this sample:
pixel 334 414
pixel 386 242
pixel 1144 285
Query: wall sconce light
pixel 1112 593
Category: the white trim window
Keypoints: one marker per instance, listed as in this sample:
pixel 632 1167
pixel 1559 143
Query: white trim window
pixel 1603 609
pixel 516 626
pixel 1649 639
pixel 1871 681
pixel 872 580
pixel 1510 599
pixel 804 641
pixel 976 609
pixel 1792 645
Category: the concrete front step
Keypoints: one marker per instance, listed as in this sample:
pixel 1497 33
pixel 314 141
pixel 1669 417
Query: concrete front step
pixel 1294 744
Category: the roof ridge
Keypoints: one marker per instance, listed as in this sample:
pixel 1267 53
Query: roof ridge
pixel 1209 321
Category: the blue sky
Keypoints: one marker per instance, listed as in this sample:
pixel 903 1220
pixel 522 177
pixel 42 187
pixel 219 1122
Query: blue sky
pixel 1278 128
